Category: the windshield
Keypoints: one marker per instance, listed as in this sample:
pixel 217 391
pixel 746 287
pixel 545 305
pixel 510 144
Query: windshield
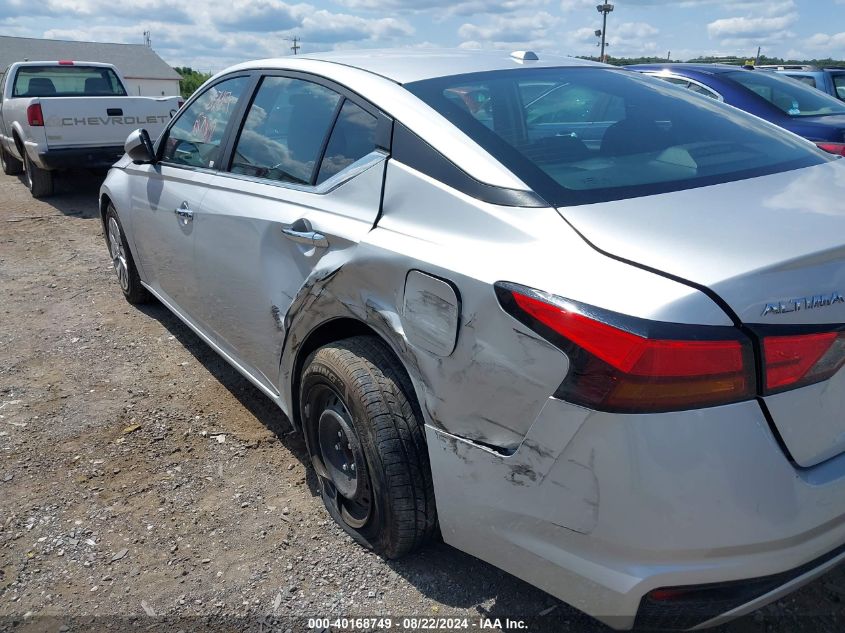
pixel 67 81
pixel 582 135
pixel 791 97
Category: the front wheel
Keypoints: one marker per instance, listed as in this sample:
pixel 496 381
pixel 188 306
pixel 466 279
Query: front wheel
pixel 367 445
pixel 39 181
pixel 121 257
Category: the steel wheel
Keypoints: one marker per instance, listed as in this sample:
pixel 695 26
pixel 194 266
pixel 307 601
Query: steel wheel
pixel 340 461
pixel 367 445
pixel 118 255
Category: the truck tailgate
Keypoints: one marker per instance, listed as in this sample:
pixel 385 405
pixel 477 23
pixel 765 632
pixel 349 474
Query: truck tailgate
pixel 103 121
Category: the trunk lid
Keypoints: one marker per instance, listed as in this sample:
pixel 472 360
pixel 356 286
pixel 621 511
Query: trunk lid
pixel 772 248
pixel 103 121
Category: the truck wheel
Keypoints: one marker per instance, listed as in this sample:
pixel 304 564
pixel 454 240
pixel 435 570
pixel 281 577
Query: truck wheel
pixel 121 257
pixel 39 181
pixel 366 440
pixel 11 165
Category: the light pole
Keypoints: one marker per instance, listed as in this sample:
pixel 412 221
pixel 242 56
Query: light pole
pixel 604 9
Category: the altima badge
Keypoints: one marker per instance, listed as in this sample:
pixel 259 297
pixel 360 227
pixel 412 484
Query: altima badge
pixel 803 303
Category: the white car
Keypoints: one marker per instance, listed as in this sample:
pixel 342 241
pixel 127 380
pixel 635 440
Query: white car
pixel 62 114
pixel 588 323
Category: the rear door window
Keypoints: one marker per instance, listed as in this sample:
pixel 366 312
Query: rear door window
pixel 353 137
pixel 285 130
pixel 194 138
pixel 702 90
pixel 688 84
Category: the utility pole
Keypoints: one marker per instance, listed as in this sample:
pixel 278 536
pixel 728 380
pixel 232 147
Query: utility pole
pixel 604 9
pixel 295 46
pixel 148 42
pixel 757 59
pixel 669 56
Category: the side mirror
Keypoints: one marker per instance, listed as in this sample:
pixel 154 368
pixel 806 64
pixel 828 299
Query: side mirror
pixel 139 147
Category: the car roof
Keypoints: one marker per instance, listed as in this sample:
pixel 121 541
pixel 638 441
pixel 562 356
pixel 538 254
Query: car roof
pixel 406 65
pixel 712 69
pixel 379 75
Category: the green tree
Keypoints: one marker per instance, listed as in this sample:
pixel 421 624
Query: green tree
pixel 735 60
pixel 191 80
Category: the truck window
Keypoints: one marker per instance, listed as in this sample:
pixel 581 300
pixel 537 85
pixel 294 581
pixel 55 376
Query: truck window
pixel 67 81
pixel 804 79
pixel 839 82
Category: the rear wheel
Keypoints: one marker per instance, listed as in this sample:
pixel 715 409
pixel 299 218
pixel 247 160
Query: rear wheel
pixel 39 181
pixel 121 257
pixel 367 445
pixel 11 165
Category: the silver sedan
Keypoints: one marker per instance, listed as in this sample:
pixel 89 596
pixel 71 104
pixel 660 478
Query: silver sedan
pixel 586 324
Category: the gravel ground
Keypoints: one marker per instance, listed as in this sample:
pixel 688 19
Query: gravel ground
pixel 145 485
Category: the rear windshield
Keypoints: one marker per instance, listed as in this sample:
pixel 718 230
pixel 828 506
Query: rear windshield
pixel 583 135
pixel 67 81
pixel 788 95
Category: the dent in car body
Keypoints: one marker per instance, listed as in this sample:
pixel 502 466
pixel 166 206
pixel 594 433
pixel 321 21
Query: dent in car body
pixel 494 384
pixel 430 313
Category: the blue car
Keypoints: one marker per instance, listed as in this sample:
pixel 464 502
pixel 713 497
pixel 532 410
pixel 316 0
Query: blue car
pixel 785 102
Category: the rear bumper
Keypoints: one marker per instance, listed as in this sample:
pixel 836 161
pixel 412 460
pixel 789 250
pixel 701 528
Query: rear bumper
pixel 703 606
pixel 83 157
pixel 601 509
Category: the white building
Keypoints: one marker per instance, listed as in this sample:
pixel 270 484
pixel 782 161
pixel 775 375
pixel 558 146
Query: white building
pixel 146 74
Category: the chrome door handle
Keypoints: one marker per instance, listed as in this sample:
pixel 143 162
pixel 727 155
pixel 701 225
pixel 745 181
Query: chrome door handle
pixel 184 212
pixel 301 232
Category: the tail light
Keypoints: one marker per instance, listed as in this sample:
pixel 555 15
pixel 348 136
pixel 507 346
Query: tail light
pixel 65 62
pixel 803 359
pixel 34 116
pixel 833 148
pixel 624 364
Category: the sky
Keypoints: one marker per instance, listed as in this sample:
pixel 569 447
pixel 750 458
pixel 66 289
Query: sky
pixel 214 34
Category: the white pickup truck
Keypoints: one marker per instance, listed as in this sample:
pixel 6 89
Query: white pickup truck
pixel 62 114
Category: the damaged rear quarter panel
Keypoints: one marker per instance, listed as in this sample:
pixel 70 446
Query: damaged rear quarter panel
pixel 492 387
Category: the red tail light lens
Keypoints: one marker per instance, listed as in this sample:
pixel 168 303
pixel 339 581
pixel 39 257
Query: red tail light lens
pixel 833 148
pixel 34 116
pixel 796 361
pixel 65 62
pixel 619 363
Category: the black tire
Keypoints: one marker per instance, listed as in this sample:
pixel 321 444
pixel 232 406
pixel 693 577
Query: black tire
pixel 128 279
pixel 359 382
pixel 39 181
pixel 11 165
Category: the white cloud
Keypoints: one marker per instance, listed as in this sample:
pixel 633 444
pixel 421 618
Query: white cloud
pixel 826 45
pixel 750 27
pixel 325 27
pixel 451 7
pixel 524 28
